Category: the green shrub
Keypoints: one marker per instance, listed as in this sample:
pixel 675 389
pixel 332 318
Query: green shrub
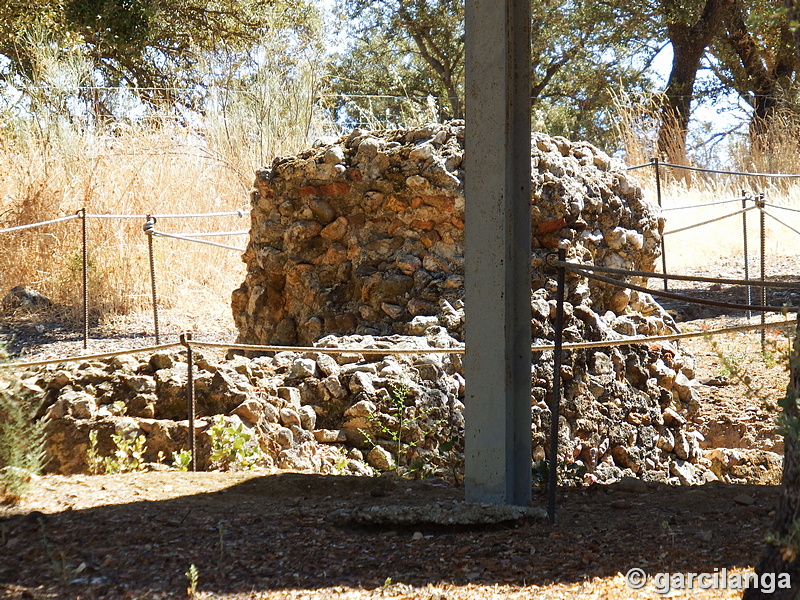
pixel 22 454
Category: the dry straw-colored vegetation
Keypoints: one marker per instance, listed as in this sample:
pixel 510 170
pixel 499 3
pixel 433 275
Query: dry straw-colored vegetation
pixel 54 164
pixel 58 157
pixel 777 152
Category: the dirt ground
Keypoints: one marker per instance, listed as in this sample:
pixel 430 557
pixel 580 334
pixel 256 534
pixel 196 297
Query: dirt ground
pixel 259 535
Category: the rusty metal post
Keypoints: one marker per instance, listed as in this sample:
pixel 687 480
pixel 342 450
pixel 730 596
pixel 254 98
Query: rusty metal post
pixel 761 206
pixel 186 339
pixel 555 404
pixel 663 245
pixel 149 228
pixel 85 276
pixel 746 258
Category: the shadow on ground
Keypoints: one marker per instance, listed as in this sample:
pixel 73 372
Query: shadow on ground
pixel 275 533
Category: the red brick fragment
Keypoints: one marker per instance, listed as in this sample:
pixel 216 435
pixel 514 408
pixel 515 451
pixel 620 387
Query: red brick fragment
pixel 309 190
pixel 335 188
pixel 555 225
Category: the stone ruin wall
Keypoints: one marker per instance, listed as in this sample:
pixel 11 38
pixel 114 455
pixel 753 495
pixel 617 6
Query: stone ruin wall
pixel 365 236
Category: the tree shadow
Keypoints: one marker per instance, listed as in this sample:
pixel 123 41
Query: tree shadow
pixel 278 532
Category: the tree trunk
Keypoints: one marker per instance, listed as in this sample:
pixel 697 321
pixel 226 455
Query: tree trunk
pixel 767 70
pixel 689 43
pixel 782 554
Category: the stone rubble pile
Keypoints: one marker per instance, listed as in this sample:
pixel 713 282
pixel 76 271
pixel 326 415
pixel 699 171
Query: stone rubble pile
pixel 309 412
pixel 361 242
pixel 366 235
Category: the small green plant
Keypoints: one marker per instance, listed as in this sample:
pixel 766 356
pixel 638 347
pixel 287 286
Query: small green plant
pixel 127 456
pixel 22 454
pixel 230 447
pixel 404 419
pixel 393 430
pixel 181 460
pixel 93 459
pixel 192 575
pixel 736 368
pixel 789 544
pixel 340 466
pixel 119 408
pixel 569 473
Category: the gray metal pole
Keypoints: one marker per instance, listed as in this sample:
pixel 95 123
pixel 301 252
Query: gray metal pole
pixel 85 277
pixel 186 339
pixel 498 242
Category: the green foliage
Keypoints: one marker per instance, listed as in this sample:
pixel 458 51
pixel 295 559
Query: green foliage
pixel 405 418
pixel 735 367
pixel 569 473
pixel 393 430
pixel 164 51
pixel 789 543
pixel 126 457
pixel 230 447
pixel 193 576
pixel 181 460
pixel 403 52
pixel 22 454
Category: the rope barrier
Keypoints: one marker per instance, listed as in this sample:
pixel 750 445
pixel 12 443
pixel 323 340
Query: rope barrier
pixel 649 274
pixel 216 233
pixel 738 212
pixel 240 213
pixel 718 171
pixel 322 350
pixel 628 341
pixel 789 208
pixel 625 341
pixel 704 205
pixel 730 305
pixel 56 361
pixel 231 213
pixel 39 224
pixel 780 221
pixel 188 239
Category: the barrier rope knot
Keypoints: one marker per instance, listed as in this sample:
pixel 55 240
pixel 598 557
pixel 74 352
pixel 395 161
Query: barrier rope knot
pixel 149 226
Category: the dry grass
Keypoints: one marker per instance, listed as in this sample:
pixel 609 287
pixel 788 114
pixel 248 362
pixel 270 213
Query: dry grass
pixel 52 167
pixel 135 171
pixel 722 241
pixel 638 123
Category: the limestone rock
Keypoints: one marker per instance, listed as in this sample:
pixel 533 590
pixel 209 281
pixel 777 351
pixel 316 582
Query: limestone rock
pixel 380 459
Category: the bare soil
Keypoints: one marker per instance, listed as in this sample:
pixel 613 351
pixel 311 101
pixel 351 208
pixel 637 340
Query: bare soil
pixel 259 534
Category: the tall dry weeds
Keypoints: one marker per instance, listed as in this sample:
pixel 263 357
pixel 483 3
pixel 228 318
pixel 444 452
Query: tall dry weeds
pixel 57 159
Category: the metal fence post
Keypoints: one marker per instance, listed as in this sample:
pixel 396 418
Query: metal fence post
pixel 149 228
pixel 663 245
pixel 85 277
pixel 745 198
pixel 552 479
pixel 761 203
pixel 185 339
